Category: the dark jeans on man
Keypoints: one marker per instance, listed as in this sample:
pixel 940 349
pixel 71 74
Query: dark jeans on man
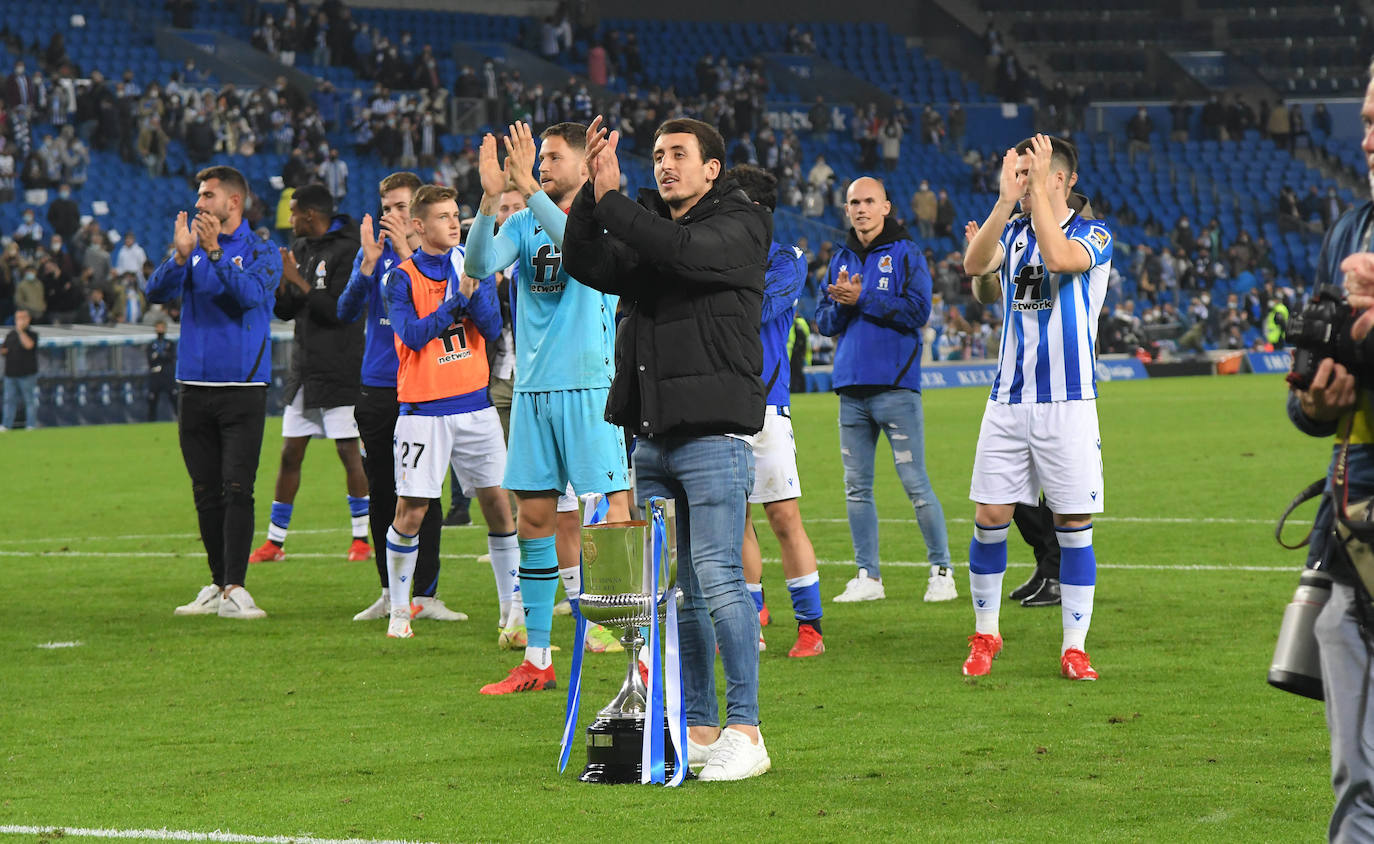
pixel 220 429
pixel 376 413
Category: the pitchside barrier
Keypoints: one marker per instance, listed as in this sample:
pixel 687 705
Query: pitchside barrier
pixel 98 374
pixel 969 373
pixel 92 375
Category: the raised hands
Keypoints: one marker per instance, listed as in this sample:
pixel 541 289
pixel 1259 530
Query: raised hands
pixel 520 158
pixel 1040 154
pixel 372 246
pixel 970 231
pixel 1012 185
pixel 183 239
pixel 207 228
pixel 846 289
pixel 493 175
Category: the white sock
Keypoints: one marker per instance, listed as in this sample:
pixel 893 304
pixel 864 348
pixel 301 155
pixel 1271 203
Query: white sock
pixel 515 613
pixel 987 587
pixel 276 533
pixel 504 551
pixel 359 525
pixel 572 581
pixel 1077 612
pixel 401 552
pixel 539 657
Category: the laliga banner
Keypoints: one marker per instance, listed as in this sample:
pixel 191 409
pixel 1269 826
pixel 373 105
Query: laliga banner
pixel 1265 363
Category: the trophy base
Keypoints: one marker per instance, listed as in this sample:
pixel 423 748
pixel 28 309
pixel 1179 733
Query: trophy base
pixel 614 750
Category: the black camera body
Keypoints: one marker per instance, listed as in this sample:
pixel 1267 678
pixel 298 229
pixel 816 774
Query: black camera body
pixel 1322 330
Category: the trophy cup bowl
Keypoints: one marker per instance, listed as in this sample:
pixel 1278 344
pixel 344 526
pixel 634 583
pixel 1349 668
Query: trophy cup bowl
pixel 617 592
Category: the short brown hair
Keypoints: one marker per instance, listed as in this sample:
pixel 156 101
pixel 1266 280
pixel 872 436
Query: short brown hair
pixel 708 137
pixel 574 134
pixel 402 179
pixel 1065 152
pixel 430 195
pixel 232 179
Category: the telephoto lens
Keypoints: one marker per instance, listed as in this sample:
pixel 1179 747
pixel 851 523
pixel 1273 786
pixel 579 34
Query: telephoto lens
pixel 1297 664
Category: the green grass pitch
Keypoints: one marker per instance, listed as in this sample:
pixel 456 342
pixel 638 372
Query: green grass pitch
pixel 308 723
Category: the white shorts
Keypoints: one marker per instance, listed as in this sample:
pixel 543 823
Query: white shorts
pixel 775 460
pixel 334 423
pixel 567 502
pixel 1054 446
pixel 425 446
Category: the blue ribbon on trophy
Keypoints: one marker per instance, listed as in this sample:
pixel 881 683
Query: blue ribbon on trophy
pixel 625 593
pixel 596 507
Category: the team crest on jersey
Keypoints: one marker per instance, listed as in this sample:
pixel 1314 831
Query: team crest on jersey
pixel 1099 237
pixel 885 265
pixel 237 261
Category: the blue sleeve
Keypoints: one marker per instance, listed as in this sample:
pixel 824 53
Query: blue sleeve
pixel 256 282
pixel 910 307
pixel 484 308
pixel 486 250
pixel 167 281
pixel 415 331
pixel 782 282
pixel 354 300
pixel 1096 238
pixel 831 317
pixel 549 216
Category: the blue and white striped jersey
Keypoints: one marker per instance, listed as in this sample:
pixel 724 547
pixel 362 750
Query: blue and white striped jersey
pixel 1051 319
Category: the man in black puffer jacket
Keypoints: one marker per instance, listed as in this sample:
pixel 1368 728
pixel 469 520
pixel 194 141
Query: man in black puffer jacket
pixel 322 383
pixel 688 261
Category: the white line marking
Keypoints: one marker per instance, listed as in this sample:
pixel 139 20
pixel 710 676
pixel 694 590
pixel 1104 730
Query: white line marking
pixel 1293 567
pixel 52 646
pixel 165 834
pixel 1141 520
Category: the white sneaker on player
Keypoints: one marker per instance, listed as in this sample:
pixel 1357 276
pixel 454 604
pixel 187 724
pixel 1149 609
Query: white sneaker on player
pixel 206 603
pixel 423 607
pixel 237 603
pixel 399 626
pixel 381 608
pixel 699 754
pixel 861 588
pixel 941 586
pixel 735 757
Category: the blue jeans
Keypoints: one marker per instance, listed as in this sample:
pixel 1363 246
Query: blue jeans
pixel 709 478
pixel 17 387
pixel 896 413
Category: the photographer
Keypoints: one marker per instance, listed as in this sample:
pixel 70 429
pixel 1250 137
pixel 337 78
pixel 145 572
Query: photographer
pixel 1333 402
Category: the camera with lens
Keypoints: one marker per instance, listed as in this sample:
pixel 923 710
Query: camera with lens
pixel 1322 330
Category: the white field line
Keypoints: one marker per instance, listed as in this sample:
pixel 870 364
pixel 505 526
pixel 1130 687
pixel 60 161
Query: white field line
pixel 1144 520
pixel 1292 567
pixel 165 834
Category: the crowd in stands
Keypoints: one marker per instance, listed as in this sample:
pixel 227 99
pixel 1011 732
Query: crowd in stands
pixel 52 116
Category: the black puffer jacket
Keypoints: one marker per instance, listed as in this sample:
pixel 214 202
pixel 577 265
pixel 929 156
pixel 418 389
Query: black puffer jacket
pixel 687 354
pixel 328 354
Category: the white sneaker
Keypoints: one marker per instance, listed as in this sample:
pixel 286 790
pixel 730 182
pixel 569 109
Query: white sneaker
pixel 380 608
pixel 699 754
pixel 206 603
pixel 239 604
pixel 941 586
pixel 422 607
pixel 399 627
pixel 735 757
pixel 861 588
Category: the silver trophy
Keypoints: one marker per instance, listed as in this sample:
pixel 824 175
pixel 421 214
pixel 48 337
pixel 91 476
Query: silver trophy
pixel 617 592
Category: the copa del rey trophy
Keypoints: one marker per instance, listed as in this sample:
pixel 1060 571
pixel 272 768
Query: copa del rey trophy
pixel 628 574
